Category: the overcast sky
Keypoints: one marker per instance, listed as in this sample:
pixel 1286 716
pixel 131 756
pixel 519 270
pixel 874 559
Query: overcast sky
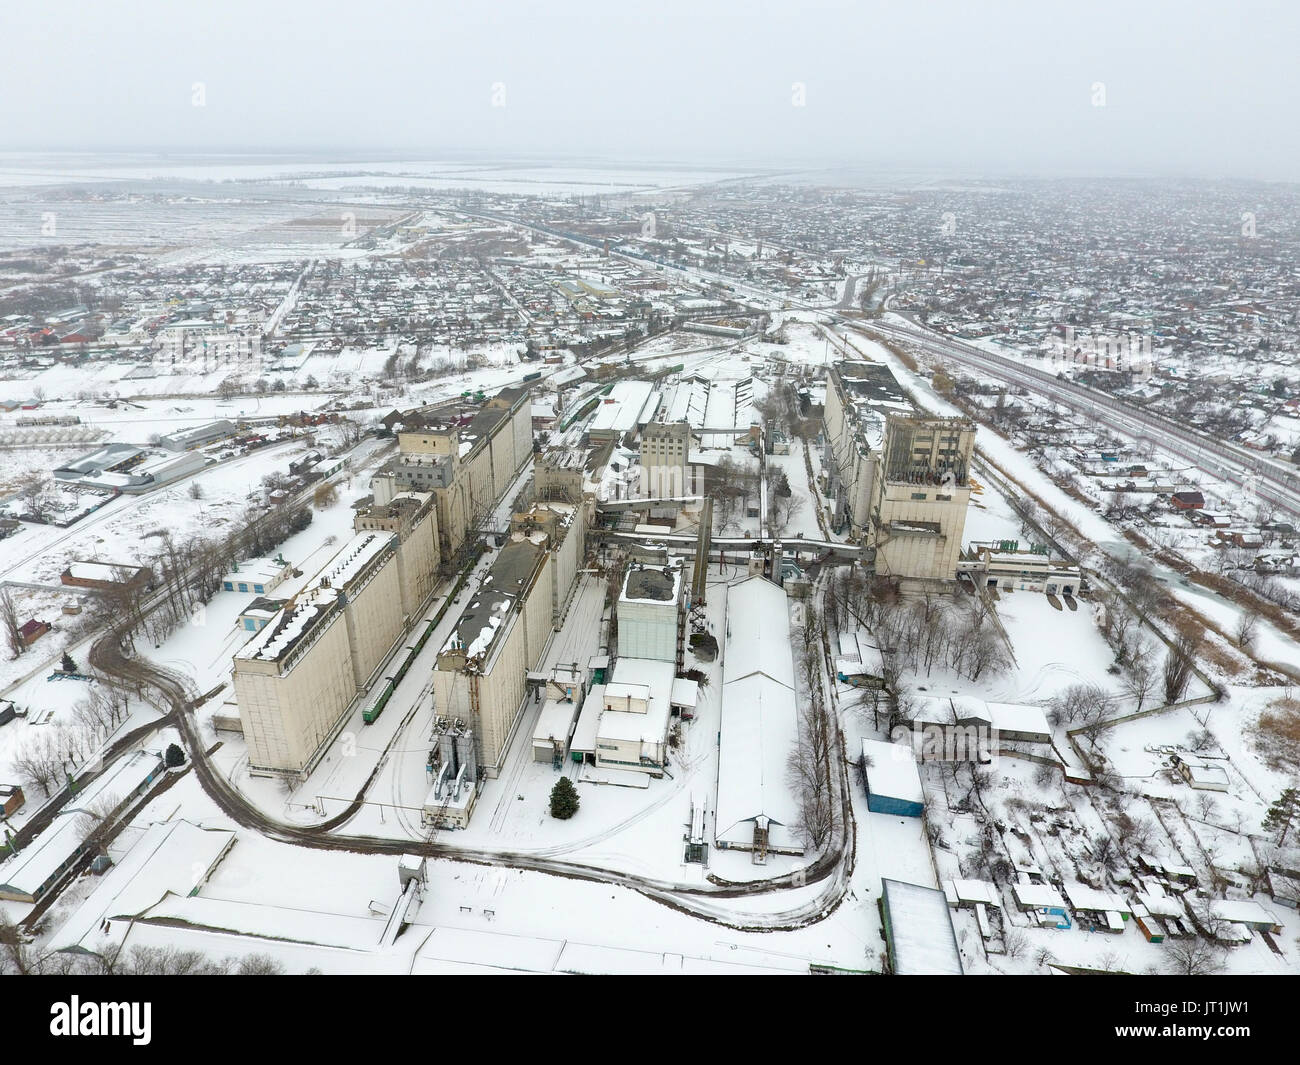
pixel 1194 88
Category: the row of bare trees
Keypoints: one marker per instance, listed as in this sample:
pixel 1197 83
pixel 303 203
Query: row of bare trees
pixel 1121 619
pixel 47 756
pixel 808 767
pixel 18 957
pixel 189 572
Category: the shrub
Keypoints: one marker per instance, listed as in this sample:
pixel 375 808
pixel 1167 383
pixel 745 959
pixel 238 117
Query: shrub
pixel 564 799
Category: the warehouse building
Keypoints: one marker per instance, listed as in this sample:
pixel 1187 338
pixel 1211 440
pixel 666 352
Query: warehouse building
pixel 171 857
pixel 114 458
pixel 198 435
pixel 626 408
pixel 918 929
pixel 27 876
pixel 106 576
pixel 755 809
pixel 893 781
pixel 257 576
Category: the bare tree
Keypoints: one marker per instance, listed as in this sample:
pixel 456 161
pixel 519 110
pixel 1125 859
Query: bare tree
pixel 95 822
pixel 809 773
pixel 1195 956
pixel 9 617
pixel 1139 677
pixel 33 490
pixel 1247 628
pixel 258 965
pixel 1081 703
pixel 36 761
pixel 15 953
pixel 1179 663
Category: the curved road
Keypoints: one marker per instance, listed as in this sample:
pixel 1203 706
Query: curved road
pixel 175 690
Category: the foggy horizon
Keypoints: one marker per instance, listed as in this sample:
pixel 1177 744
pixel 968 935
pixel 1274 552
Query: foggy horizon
pixel 1156 92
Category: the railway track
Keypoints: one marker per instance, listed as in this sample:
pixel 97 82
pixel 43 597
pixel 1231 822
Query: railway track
pixel 1272 482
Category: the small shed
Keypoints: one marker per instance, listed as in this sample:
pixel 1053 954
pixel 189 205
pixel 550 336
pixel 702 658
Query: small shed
pixel 1044 902
pixel 33 630
pixel 1247 912
pixel 893 780
pixel 1148 924
pixel 11 799
pixel 1204 777
pixel 554 727
pixel 685 697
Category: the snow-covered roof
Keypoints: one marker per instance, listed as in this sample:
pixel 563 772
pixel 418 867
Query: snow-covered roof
pixel 625 407
pixel 1018 717
pixel 686 692
pixel 1162 905
pixel 759 730
pixel 320 597
pixel 638 678
pixel 759 726
pixel 619 690
pixel 1083 897
pixel 758 632
pixel 103 571
pixel 921 938
pixel 971 891
pixel 1242 911
pixel 555 721
pixel 169 856
pixel 1003 717
pixel 1038 896
pixel 27 871
pixel 891 771
pixel 584 733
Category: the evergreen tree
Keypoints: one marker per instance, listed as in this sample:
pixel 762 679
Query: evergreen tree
pixel 564 799
pixel 174 757
pixel 68 665
pixel 1282 815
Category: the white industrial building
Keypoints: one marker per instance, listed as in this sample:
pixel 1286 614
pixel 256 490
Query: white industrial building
pixel 624 724
pixel 169 858
pixel 756 810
